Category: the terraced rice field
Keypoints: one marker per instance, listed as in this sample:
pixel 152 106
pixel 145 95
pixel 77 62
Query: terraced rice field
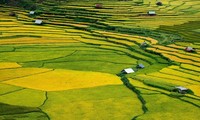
pixel 69 67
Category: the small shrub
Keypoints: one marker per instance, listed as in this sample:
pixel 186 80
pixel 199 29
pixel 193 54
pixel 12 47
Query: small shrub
pixel 159 3
pixel 12 13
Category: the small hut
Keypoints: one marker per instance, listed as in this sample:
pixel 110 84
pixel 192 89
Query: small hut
pixel 151 13
pixel 140 66
pixel 12 14
pixel 144 44
pixel 180 89
pixel 159 4
pixel 127 71
pixel 99 6
pixel 38 22
pixel 189 49
pixel 31 12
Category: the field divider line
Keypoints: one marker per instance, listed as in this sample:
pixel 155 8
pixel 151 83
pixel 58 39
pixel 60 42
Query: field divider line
pixel 173 79
pixel 128 54
pixel 181 77
pixel 45 113
pixel 91 61
pixel 52 58
pixel 185 71
pixel 12 91
pixel 161 92
pixel 23 112
pixel 126 82
pixel 10 68
pixel 26 76
pixel 46 98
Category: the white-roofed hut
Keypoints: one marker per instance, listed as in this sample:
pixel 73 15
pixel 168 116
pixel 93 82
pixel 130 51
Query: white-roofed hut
pixel 151 13
pixel 127 71
pixel 31 12
pixel 38 22
pixel 180 89
pixel 189 49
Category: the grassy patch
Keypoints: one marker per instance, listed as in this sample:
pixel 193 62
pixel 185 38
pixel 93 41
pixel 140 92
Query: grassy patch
pixel 107 102
pixel 8 88
pixel 20 112
pixel 32 56
pixel 162 106
pixel 24 97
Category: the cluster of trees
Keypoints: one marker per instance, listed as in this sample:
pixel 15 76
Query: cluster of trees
pixel 26 4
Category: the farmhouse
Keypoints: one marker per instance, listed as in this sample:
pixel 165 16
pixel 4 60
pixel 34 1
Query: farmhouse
pixel 151 13
pixel 39 22
pixel 144 44
pixel 189 49
pixel 99 6
pixel 31 12
pixel 140 66
pixel 180 89
pixel 127 71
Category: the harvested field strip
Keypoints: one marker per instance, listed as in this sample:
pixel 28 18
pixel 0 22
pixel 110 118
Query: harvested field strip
pixel 35 41
pixel 159 82
pixel 128 37
pixel 135 55
pixel 178 59
pixel 174 77
pixel 140 85
pixel 178 68
pixel 190 67
pixel 184 55
pixel 180 74
pixel 178 53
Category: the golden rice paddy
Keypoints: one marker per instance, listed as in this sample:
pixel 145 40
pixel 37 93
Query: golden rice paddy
pixel 64 80
pixel 4 65
pixel 29 40
pixel 8 74
pixel 195 89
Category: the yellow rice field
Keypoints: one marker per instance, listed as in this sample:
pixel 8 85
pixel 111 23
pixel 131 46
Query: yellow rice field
pixel 174 52
pixel 27 40
pixel 192 67
pixel 180 60
pixel 165 48
pixel 176 46
pixel 8 74
pixel 179 73
pixel 64 80
pixel 140 84
pixel 195 89
pixel 4 65
pixel 172 78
